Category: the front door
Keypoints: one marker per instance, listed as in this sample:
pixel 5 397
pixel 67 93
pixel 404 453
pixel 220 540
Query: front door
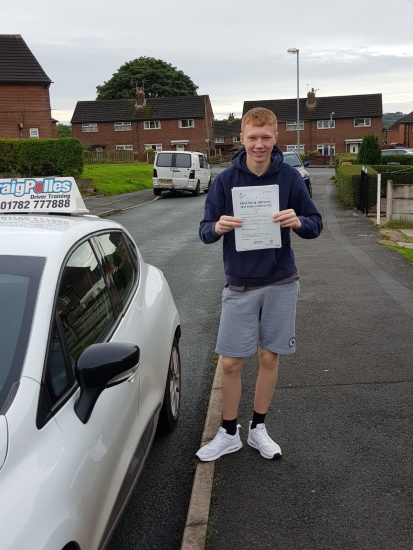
pixel 354 148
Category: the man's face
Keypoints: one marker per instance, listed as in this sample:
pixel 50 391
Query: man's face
pixel 258 142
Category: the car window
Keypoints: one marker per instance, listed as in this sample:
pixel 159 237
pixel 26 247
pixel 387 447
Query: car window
pixel 83 301
pixel 57 378
pixel 201 161
pixel 183 160
pixel 164 159
pixel 19 282
pixel 292 160
pixel 120 263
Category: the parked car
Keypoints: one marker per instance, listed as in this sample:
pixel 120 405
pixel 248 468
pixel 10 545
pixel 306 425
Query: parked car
pixel 294 160
pixel 90 367
pixel 181 171
pixel 397 151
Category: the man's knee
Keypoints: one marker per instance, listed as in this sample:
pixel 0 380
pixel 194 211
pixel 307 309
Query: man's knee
pixel 268 359
pixel 231 365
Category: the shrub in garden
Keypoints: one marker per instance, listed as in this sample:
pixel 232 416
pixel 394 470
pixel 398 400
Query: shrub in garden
pixel 349 182
pixel 370 150
pixel 41 157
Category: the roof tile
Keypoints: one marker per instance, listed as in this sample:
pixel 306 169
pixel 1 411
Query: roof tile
pixel 17 63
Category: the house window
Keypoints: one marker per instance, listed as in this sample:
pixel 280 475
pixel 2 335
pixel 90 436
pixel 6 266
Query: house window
pixel 289 126
pixel 155 146
pixel 187 123
pixel 124 147
pixel 322 124
pixel 324 149
pixel 34 133
pixel 362 122
pixel 91 127
pixel 123 126
pixel 236 139
pixel 294 148
pixel 219 140
pixel 152 124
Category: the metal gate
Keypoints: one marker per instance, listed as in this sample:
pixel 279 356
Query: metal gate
pixel 364 192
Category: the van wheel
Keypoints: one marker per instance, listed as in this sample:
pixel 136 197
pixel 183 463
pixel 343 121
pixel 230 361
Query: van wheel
pixel 209 185
pixel 197 189
pixel 157 192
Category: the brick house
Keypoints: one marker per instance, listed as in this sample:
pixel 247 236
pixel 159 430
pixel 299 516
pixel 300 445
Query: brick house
pixel 163 123
pixel 339 122
pixel 226 134
pixel 24 92
pixel 401 132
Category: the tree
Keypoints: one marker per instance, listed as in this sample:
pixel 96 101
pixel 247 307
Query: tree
pixel 389 118
pixel 370 150
pixel 158 78
pixel 64 130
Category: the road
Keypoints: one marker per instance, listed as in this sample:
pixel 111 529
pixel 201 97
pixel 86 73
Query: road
pixel 166 232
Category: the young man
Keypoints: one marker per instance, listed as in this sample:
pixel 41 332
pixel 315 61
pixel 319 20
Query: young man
pixel 261 286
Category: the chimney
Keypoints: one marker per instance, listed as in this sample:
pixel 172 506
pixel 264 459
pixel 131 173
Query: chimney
pixel 230 118
pixel 311 100
pixel 140 97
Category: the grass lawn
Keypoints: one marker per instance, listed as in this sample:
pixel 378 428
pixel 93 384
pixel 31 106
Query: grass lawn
pixel 391 236
pixel 114 179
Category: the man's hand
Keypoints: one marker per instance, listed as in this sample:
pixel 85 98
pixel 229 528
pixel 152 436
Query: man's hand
pixel 287 218
pixel 227 223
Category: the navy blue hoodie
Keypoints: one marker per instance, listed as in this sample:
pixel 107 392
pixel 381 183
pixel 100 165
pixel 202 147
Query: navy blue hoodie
pixel 267 266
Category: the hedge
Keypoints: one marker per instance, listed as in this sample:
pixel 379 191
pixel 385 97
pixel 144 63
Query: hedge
pixel 349 182
pixel 345 157
pixel 41 157
pixel 398 159
pixel 399 175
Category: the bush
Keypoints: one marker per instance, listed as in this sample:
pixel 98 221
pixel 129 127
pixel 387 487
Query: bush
pixel 345 157
pixel 397 159
pixel 370 150
pixel 41 157
pixel 399 175
pixel 349 182
pixel 314 153
pixel 215 160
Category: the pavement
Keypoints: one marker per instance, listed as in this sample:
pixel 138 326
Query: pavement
pixel 342 410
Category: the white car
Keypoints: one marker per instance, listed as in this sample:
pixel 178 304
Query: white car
pixel 90 364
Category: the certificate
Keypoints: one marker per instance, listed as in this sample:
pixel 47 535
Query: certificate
pixel 255 206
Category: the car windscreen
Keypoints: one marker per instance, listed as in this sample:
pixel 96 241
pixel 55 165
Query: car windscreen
pixel 292 160
pixel 19 283
pixel 164 159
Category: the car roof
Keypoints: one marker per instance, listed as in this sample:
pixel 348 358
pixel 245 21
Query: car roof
pixel 30 235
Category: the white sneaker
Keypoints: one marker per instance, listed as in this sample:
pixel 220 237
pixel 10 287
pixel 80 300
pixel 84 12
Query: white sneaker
pixel 222 444
pixel 260 440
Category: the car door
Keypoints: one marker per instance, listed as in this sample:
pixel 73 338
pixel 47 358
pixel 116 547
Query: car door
pixel 203 171
pixel 98 454
pixel 182 167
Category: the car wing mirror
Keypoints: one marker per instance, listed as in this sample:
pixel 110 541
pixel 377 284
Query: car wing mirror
pixel 102 366
pixel 306 163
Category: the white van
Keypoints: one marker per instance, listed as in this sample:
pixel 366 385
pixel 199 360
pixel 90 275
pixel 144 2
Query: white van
pixel 181 171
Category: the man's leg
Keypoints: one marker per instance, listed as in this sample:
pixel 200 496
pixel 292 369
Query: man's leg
pixel 231 386
pixel 266 381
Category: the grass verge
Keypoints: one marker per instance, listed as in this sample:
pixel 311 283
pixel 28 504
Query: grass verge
pixel 115 179
pixel 392 236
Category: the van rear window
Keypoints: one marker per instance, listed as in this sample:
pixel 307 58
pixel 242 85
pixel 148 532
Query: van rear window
pixel 164 159
pixel 183 160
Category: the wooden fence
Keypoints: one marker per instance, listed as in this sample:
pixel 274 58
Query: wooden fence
pixel 109 157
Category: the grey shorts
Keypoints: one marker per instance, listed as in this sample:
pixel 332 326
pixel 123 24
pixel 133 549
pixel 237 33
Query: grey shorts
pixel 264 317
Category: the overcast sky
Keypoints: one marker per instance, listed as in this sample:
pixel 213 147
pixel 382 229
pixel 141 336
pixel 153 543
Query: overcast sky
pixel 234 50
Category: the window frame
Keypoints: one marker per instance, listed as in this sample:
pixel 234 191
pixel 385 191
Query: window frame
pixel 362 125
pixel 328 127
pixel 236 139
pixel 293 149
pixel 219 140
pixel 124 147
pixel 147 123
pixel 295 126
pixel 45 409
pixel 36 136
pixel 333 146
pixel 89 127
pixel 180 125
pixel 122 126
pixel 158 146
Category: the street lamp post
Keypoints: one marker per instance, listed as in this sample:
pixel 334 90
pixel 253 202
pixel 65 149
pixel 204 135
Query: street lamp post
pixel 331 138
pixel 297 51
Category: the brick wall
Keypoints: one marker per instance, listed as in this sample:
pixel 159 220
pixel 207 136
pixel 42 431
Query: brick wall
pixel 344 129
pixel 26 104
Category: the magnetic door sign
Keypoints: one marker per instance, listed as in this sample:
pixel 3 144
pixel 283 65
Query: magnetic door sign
pixel 37 195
